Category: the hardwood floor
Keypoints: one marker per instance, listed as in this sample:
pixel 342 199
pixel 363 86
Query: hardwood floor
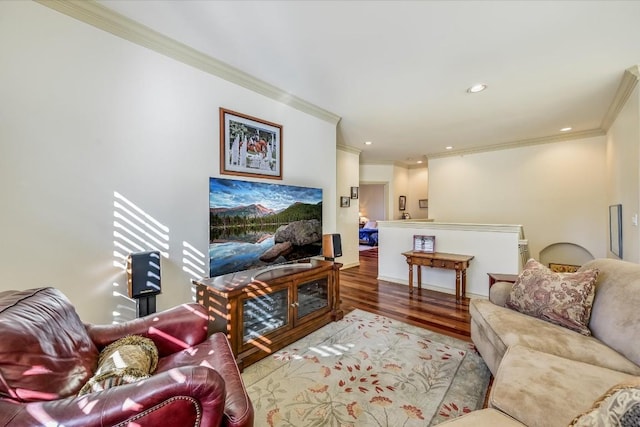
pixel 432 310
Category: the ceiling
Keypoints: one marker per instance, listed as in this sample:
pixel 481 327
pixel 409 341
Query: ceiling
pixel 397 72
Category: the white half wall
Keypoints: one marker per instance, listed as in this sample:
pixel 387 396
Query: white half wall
pixel 96 131
pixel 493 246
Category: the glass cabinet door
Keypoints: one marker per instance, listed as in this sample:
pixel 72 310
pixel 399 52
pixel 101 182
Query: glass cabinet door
pixel 264 314
pixel 313 296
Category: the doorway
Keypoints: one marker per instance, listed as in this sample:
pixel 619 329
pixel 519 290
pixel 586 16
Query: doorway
pixel 372 202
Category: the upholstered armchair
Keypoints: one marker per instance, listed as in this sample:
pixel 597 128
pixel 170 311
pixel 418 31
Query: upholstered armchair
pixel 47 355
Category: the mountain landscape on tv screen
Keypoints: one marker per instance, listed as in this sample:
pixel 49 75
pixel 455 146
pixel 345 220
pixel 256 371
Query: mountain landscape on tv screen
pixel 256 224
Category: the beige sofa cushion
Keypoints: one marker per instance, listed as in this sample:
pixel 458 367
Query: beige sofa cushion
pixel 615 315
pixel 500 327
pixel 543 390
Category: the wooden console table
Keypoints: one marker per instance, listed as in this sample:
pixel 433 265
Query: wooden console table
pixel 456 262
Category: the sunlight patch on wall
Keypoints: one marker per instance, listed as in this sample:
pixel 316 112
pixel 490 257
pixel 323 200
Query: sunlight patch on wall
pixel 134 230
pixel 193 263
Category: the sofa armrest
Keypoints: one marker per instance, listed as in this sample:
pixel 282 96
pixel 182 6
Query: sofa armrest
pixel 499 293
pixel 171 330
pixel 186 396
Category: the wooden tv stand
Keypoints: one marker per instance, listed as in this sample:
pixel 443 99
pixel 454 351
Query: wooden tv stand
pixel 266 309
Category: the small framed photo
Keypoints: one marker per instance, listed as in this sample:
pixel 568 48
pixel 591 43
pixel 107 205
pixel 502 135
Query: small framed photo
pixel 563 268
pixel 354 192
pixel 345 201
pixel 424 243
pixel 249 146
pixel 402 203
pixel 423 203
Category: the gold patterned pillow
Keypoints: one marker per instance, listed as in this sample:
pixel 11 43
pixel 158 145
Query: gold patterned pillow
pixel 564 299
pixel 619 406
pixel 124 361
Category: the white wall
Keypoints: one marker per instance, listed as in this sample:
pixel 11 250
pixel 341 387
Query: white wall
pixel 623 172
pixel 85 115
pixel 557 191
pixel 347 218
pixel 418 189
pixel 400 186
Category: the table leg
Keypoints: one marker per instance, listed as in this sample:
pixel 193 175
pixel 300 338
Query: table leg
pixel 419 267
pixel 464 283
pixel 458 284
pixel 410 277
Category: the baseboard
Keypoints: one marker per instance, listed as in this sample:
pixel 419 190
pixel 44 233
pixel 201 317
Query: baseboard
pixel 431 287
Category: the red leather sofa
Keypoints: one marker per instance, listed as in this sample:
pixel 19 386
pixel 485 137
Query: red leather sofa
pixel 47 354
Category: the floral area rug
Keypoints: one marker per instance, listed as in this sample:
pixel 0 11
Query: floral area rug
pixel 367 370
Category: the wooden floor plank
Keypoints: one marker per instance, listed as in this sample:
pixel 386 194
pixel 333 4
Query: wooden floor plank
pixel 439 312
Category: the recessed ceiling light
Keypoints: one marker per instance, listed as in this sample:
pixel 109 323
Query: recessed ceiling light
pixel 567 129
pixel 449 147
pixel 368 143
pixel 419 161
pixel 479 87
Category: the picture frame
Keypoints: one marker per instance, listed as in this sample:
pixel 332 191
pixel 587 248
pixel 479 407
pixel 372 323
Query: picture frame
pixel 426 244
pixel 249 146
pixel 354 192
pixel 402 203
pixel 615 230
pixel 345 201
pixel 563 268
pixel 423 203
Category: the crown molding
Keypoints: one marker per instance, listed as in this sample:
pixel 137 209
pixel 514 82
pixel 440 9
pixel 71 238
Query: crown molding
pixel 348 149
pixel 381 163
pixel 627 85
pixel 99 16
pixel 496 147
pixel 394 163
pixel 522 143
pixel 423 165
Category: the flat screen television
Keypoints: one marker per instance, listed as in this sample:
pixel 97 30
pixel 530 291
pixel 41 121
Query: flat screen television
pixel 258 224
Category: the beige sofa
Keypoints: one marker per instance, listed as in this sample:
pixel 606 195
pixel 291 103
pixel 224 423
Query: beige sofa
pixel 546 375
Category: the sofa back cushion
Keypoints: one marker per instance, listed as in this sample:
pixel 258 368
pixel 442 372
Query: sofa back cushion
pixel 45 351
pixel 615 315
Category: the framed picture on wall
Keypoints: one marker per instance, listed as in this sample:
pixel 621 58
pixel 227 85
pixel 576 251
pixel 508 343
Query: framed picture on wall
pixel 345 201
pixel 423 203
pixel 249 146
pixel 615 230
pixel 402 203
pixel 354 192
